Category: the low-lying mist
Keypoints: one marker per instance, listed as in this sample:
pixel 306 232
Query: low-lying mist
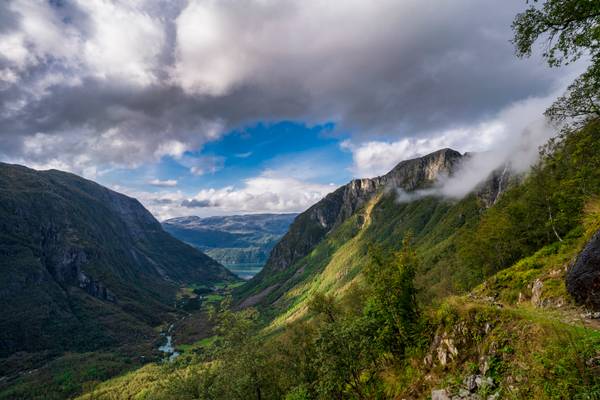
pixel 521 131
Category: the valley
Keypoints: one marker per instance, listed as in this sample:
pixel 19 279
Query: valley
pixel 478 307
pixel 482 281
pixel 299 200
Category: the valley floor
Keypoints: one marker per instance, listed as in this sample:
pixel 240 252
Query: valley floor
pixel 52 375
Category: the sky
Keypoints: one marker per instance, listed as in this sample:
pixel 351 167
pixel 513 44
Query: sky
pixel 213 107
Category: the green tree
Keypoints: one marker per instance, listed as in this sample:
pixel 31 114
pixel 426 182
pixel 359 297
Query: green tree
pixel 393 300
pixel 323 304
pixel 242 362
pixel 346 354
pixel 347 359
pixel 570 30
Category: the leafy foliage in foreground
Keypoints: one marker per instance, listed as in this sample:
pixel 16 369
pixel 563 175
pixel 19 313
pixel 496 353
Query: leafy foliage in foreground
pixel 571 30
pixel 340 353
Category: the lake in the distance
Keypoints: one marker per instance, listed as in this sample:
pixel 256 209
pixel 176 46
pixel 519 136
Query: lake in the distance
pixel 244 271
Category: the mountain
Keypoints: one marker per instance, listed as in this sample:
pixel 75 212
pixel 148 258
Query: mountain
pixel 343 211
pixel 83 267
pixel 240 242
pixel 314 224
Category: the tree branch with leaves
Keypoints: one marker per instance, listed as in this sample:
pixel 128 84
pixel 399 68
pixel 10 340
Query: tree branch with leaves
pixel 569 30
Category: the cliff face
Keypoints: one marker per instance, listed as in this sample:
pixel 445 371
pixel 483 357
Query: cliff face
pixel 82 266
pixel 310 227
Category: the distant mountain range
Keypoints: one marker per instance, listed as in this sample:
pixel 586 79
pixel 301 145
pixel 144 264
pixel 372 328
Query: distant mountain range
pixel 83 267
pixel 240 242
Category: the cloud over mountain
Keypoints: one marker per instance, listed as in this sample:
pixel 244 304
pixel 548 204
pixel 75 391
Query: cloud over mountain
pixel 90 84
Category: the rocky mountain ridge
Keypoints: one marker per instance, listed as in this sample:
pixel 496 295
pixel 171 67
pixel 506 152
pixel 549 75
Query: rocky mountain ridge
pixel 312 226
pixel 303 251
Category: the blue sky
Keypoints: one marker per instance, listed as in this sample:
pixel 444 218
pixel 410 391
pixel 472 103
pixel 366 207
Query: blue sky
pixel 311 153
pixel 294 163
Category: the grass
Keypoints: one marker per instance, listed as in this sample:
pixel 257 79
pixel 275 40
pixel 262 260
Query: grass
pixel 201 344
pixel 214 298
pixel 529 353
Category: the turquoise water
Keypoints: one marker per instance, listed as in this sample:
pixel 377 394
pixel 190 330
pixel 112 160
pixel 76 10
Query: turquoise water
pixel 244 271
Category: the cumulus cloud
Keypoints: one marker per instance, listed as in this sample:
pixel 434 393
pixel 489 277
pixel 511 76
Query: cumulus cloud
pixel 92 84
pixel 267 192
pixel 197 203
pixel 163 183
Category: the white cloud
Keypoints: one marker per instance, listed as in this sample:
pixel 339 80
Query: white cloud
pixel 200 165
pixel 267 192
pixel 208 61
pixel 126 40
pixel 376 158
pixel 512 135
pixel 97 84
pixel 163 183
pixel 511 142
pixel 173 148
pixel 12 47
pixel 45 32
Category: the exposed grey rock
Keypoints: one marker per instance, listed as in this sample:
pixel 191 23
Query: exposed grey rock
pixel 470 383
pixel 440 394
pixel 338 206
pixel 95 288
pixel 490 191
pixel 583 279
pixel 484 382
pixel 593 362
pixel 536 293
pixel 591 315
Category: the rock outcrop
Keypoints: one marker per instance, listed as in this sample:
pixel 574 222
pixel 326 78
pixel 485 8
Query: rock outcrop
pixel 311 226
pixel 412 180
pixel 583 279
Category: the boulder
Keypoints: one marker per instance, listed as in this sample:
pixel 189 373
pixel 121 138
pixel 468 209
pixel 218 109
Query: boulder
pixel 583 279
pixel 440 394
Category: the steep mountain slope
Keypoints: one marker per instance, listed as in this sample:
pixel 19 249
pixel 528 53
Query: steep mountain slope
pixel 344 216
pixel 83 267
pixel 240 242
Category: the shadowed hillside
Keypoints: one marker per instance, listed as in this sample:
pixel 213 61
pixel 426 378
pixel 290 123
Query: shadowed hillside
pixel 83 267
